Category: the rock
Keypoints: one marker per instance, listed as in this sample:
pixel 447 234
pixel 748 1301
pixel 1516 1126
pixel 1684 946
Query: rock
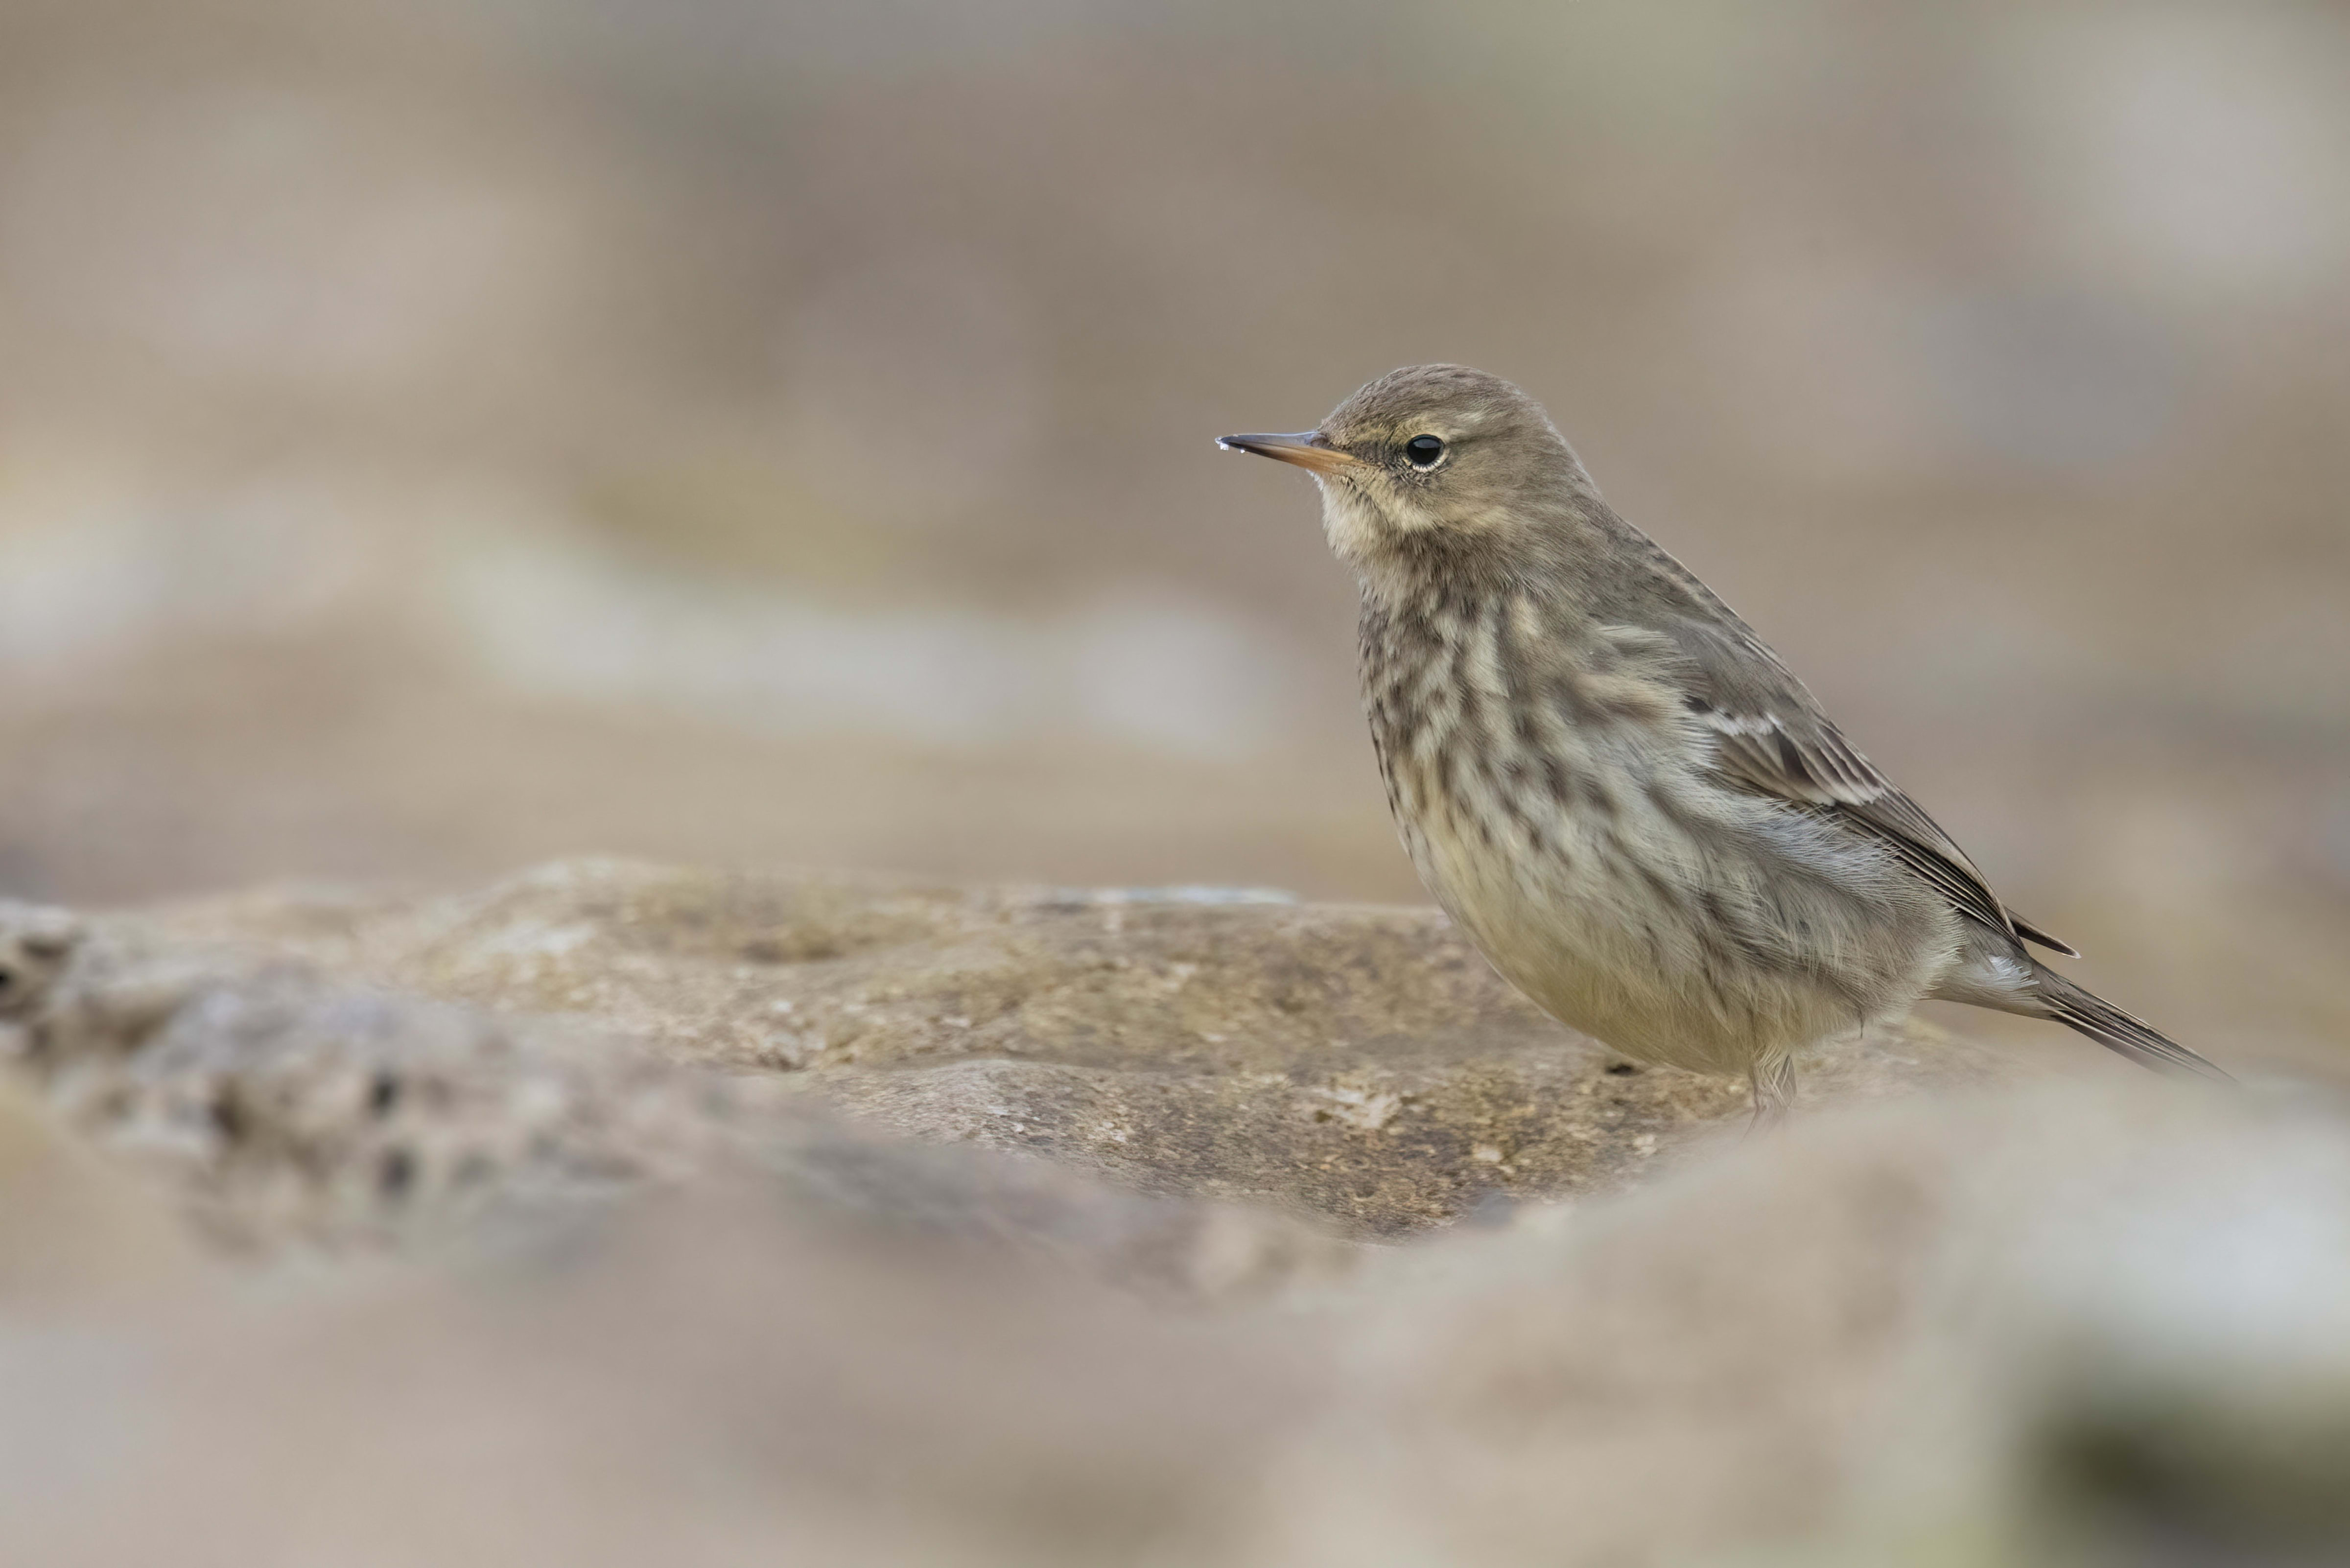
pixel 290 1106
pixel 673 1305
pixel 2066 1329
pixel 1984 1333
pixel 34 943
pixel 725 1372
pixel 1360 1066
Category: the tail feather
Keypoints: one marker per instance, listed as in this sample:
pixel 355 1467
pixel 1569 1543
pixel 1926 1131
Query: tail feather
pixel 2032 933
pixel 2109 1026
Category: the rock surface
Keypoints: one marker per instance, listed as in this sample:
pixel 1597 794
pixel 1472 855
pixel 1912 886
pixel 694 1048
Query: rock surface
pixel 1360 1066
pixel 286 1106
pixel 617 1214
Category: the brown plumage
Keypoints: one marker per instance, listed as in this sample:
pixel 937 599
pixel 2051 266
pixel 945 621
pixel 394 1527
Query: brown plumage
pixel 1631 804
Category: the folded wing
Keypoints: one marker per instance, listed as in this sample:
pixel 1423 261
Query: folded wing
pixel 1772 737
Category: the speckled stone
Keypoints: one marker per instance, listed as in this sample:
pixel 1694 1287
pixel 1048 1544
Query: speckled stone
pixel 1360 1066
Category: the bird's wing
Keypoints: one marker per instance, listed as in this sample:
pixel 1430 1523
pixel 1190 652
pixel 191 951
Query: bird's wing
pixel 1772 737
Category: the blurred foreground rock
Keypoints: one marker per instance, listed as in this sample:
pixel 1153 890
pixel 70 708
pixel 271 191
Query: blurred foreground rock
pixel 640 1264
pixel 2054 1328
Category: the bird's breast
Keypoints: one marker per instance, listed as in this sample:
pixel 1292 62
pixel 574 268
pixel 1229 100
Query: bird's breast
pixel 1484 776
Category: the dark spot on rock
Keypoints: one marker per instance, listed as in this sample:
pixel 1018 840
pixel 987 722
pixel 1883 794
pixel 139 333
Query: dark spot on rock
pixel 793 944
pixel 384 1095
pixel 1623 1069
pixel 227 1113
pixel 397 1174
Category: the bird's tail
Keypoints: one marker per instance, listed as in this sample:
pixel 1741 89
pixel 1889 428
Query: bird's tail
pixel 2109 1026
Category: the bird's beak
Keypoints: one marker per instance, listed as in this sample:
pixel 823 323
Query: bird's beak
pixel 1308 449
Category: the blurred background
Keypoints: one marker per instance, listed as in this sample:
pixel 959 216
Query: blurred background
pixel 436 436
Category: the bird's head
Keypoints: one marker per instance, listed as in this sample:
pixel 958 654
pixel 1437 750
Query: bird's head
pixel 1432 462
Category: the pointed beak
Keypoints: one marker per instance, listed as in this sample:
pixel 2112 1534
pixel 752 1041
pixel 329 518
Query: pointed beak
pixel 1308 449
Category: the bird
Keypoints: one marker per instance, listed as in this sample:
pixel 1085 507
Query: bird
pixel 1626 801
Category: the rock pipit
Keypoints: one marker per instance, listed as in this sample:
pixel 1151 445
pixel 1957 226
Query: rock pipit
pixel 1632 807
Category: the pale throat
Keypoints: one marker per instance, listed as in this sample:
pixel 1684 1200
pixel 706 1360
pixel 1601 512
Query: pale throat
pixel 1356 527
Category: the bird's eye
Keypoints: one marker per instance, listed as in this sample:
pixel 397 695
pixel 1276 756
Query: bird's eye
pixel 1424 453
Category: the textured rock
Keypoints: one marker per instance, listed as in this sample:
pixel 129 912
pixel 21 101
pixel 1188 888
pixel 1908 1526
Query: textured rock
pixel 291 1105
pixel 1361 1065
pixel 693 1315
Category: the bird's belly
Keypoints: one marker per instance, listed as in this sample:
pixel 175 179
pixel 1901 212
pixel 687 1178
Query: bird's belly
pixel 1570 943
pixel 1670 950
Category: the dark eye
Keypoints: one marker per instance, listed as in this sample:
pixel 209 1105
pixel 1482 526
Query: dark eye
pixel 1424 451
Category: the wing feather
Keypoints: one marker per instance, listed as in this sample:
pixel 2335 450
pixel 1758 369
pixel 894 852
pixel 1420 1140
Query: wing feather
pixel 1772 737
